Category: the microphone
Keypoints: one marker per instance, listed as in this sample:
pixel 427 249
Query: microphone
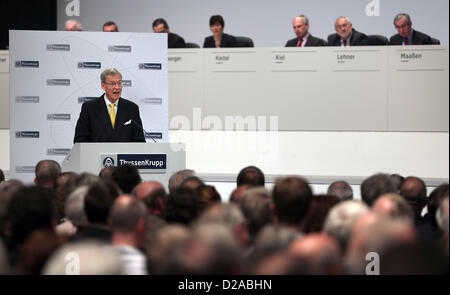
pixel 140 127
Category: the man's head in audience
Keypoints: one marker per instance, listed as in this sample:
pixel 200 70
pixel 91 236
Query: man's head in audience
pixel 343 27
pixel 46 173
pixel 110 26
pixel 154 196
pixel 403 24
pixel 375 186
pixel 127 178
pixel 414 191
pixel 128 221
pixel 98 201
pixel 178 177
pixel 250 175
pixel 341 189
pixel 291 197
pixel 394 206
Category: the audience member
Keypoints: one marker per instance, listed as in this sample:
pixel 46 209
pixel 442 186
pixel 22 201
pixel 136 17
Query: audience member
pixel 375 186
pixel 126 177
pixel 177 178
pixel 414 191
pixel 75 215
pixel 160 25
pixel 46 173
pixel 218 39
pixel 73 25
pixel 291 198
pixel 107 172
pixel 7 189
pixel 192 182
pixel 163 248
pixel 182 206
pixel 394 206
pixel 340 220
pixel 2 176
pixel 317 213
pixel 238 193
pixel 128 223
pixel 110 26
pixel 304 38
pixel 97 204
pixel 345 34
pixel 29 209
pixel 250 175
pixel 208 196
pixel 256 205
pixel 341 189
pixel 406 35
pixel 320 253
pixel 397 179
pixel 154 196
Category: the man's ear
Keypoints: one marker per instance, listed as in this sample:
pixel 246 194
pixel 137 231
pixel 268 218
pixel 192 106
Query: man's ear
pixel 103 86
pixel 35 181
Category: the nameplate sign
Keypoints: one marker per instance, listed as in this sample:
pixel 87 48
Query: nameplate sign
pixel 143 162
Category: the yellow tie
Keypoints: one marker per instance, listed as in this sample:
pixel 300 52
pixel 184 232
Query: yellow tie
pixel 112 114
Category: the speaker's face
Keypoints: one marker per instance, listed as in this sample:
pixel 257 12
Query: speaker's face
pixel 113 87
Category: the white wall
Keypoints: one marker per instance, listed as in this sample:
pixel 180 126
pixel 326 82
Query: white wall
pixel 267 22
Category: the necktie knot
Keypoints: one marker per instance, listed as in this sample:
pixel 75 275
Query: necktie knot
pixel 406 41
pixel 300 42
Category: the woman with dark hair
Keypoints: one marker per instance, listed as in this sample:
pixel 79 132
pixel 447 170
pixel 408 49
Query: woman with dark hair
pixel 218 38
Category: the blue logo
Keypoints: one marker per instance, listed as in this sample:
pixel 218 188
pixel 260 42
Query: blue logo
pixel 108 162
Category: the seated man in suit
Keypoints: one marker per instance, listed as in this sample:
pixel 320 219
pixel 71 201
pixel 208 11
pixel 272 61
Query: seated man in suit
pixel 406 35
pixel 304 38
pixel 346 35
pixel 219 38
pixel 109 118
pixel 173 40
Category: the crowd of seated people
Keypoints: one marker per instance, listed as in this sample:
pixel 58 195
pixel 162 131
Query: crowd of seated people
pixel 345 35
pixel 116 223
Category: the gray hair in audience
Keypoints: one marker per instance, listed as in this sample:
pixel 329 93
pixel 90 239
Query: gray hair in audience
pixel 178 177
pixel 271 239
pixel 109 72
pixel 225 213
pixel 401 16
pixel 255 206
pixel 47 170
pixel 84 258
pixel 340 219
pixel 344 17
pixel 74 208
pixel 341 189
pixel 400 208
pixel 442 216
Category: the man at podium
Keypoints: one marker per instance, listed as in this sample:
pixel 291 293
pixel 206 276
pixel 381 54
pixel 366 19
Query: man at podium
pixel 109 118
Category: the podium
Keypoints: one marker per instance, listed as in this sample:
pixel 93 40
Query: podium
pixel 155 161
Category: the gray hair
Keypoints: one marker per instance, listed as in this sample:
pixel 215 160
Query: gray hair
pixel 341 189
pixel 401 16
pixel 178 177
pixel 341 218
pixel 346 18
pixel 255 206
pixel 77 23
pixel 223 213
pixel 304 19
pixel 109 72
pixel 124 215
pixel 74 208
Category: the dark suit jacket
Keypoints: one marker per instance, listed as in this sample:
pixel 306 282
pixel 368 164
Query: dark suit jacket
pixel 357 39
pixel 418 38
pixel 227 41
pixel 94 124
pixel 312 41
pixel 175 41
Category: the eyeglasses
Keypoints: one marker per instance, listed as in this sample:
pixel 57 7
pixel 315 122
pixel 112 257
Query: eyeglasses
pixel 404 26
pixel 112 84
